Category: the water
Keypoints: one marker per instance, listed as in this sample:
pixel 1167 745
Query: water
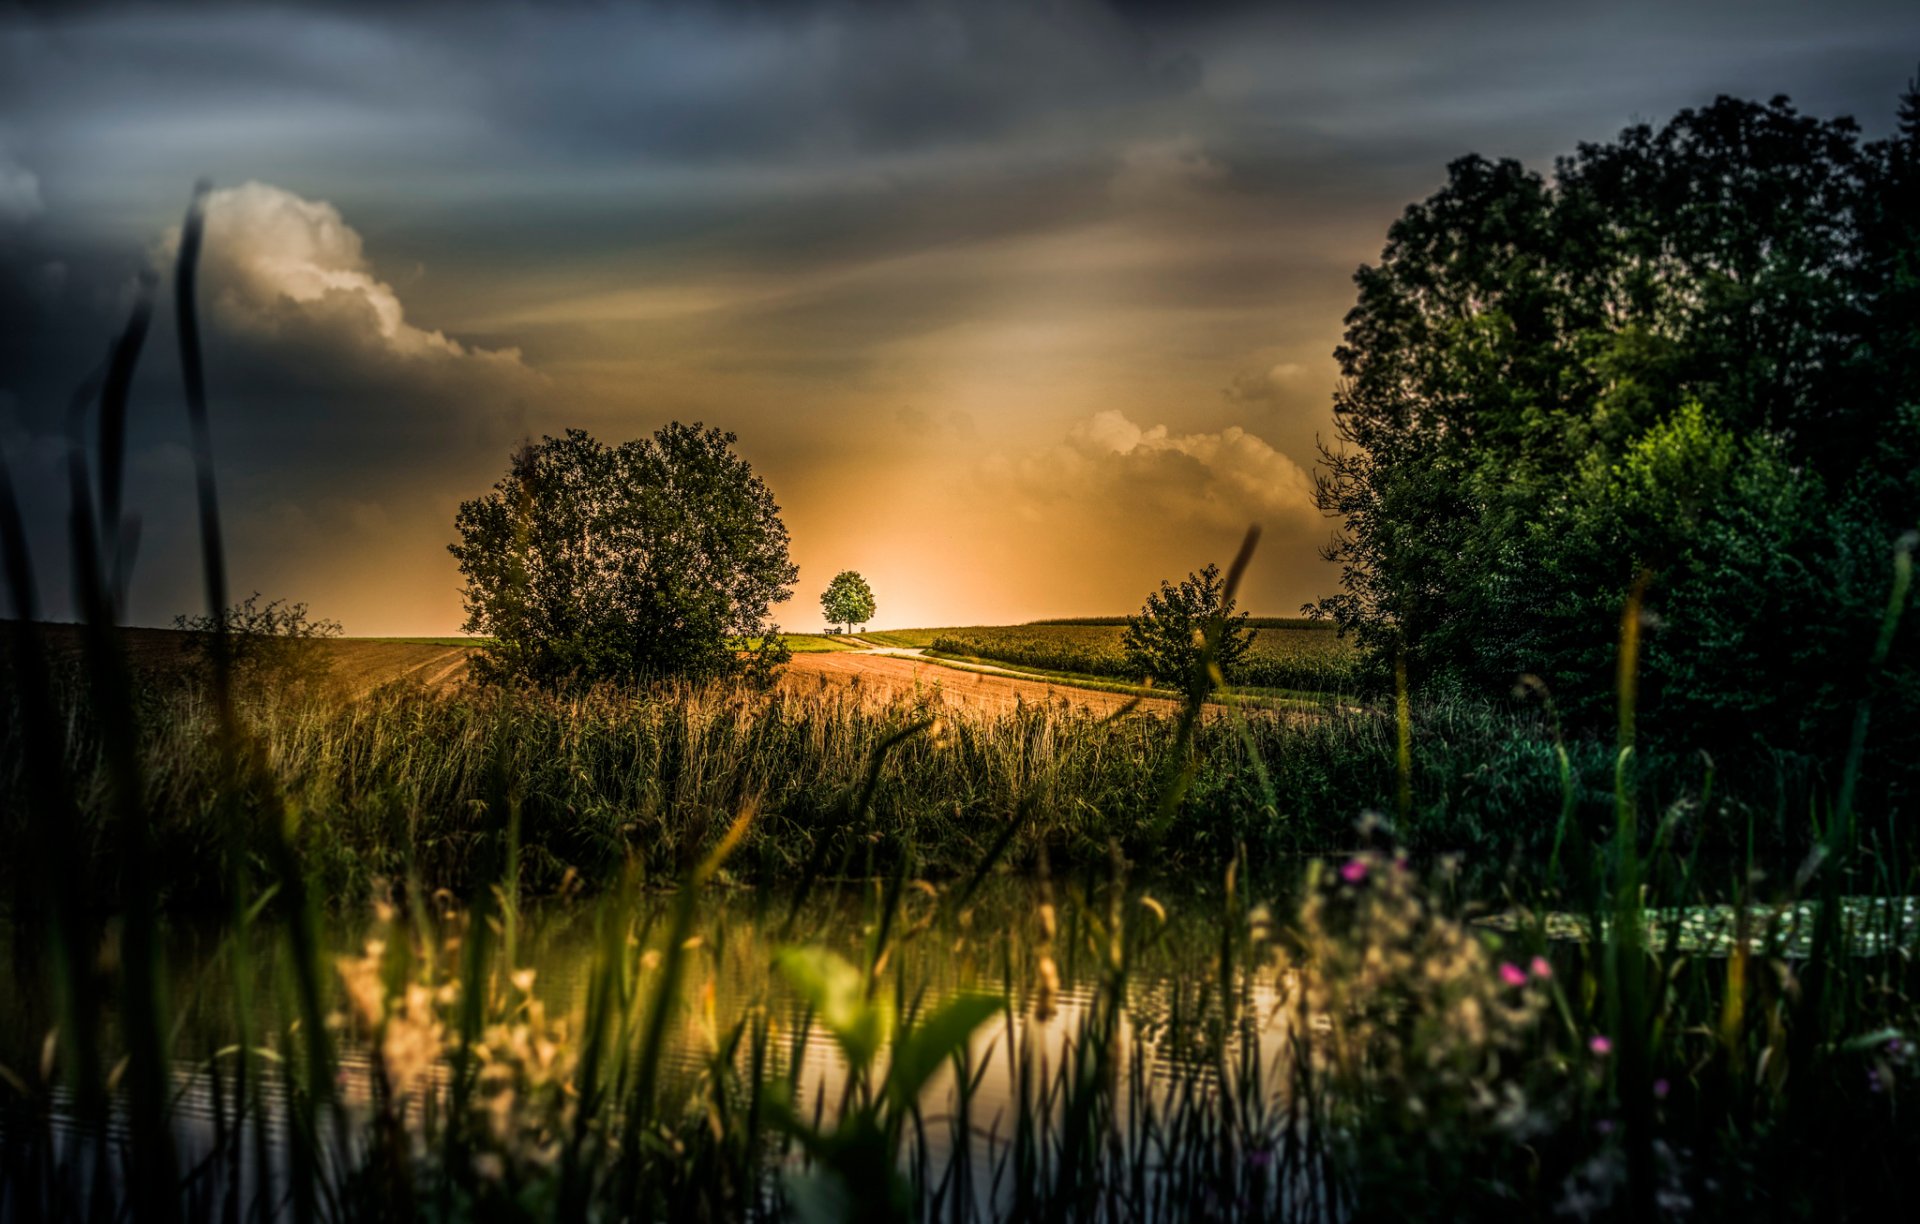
pixel 1187 1014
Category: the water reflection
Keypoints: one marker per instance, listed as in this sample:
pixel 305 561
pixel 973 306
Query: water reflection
pixel 1192 1003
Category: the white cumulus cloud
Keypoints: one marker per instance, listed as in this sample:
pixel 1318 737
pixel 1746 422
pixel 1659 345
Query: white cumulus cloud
pixel 276 265
pixel 1195 480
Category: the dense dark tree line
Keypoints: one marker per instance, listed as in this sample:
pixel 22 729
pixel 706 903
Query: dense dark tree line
pixel 1694 353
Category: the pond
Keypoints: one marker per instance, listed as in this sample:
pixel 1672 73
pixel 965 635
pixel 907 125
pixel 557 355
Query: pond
pixel 1074 1045
pixel 1058 969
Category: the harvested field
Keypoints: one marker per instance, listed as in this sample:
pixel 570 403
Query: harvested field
pixel 359 665
pixel 364 664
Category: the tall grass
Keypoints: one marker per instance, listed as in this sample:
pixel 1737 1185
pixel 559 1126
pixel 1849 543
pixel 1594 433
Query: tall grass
pixel 385 785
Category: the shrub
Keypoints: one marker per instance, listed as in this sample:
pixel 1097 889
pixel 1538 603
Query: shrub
pixel 1187 635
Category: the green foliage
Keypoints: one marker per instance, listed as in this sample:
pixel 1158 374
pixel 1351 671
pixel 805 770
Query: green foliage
pixel 837 992
pixel 805 643
pixel 1168 640
pixel 848 600
pixel 589 562
pixel 1287 653
pixel 1682 357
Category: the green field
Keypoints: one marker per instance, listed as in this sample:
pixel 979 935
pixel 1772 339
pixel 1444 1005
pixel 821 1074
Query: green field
pixel 1292 654
pixel 805 643
pixel 816 643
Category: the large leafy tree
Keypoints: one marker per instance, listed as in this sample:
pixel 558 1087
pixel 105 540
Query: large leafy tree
pixel 651 558
pixel 1168 640
pixel 848 600
pixel 1684 355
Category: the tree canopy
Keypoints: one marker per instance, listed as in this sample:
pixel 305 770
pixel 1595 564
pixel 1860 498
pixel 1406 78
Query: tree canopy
pixel 1691 353
pixel 650 558
pixel 1167 640
pixel 848 600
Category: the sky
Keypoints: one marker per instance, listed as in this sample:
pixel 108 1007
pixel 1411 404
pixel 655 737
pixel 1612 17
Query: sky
pixel 1018 308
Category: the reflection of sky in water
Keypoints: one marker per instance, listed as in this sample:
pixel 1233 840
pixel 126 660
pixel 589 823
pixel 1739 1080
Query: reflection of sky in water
pixel 1168 1034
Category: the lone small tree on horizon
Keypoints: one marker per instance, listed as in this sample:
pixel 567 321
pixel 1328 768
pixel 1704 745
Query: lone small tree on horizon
pixel 848 600
pixel 1167 641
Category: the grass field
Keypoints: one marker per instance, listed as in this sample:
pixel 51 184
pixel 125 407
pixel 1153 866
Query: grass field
pixel 816 643
pixel 1288 654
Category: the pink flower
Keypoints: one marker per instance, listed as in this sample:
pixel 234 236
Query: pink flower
pixel 1355 870
pixel 1601 1045
pixel 1660 1089
pixel 1511 974
pixel 1541 969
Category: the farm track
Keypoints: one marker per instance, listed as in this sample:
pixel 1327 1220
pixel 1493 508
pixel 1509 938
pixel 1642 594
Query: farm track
pixel 889 677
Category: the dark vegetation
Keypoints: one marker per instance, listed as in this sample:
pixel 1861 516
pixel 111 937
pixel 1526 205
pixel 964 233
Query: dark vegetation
pixel 266 645
pixel 384 788
pixel 1689 363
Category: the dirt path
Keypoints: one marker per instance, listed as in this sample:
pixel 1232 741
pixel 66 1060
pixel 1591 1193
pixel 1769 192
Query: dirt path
pixel 365 664
pixel 894 674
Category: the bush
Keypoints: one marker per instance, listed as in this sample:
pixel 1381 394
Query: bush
pixel 1187 635
pixel 275 644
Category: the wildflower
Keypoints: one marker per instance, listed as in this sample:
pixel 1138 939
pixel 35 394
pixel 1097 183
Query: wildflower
pixel 1660 1089
pixel 1874 1083
pixel 1512 974
pixel 1540 968
pixel 1355 870
pixel 1601 1044
pixel 1604 1126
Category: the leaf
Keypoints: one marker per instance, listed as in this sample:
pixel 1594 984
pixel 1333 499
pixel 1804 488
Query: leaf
pixel 837 992
pixel 919 1054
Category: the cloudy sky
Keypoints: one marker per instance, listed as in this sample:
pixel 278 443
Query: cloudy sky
pixel 1018 307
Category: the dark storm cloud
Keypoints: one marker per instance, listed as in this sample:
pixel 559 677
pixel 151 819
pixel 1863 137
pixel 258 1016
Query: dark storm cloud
pixel 482 219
